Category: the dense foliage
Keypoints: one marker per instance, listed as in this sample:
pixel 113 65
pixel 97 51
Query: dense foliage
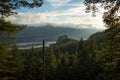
pixel 111 5
pixel 11 61
pixel 97 58
pixel 109 54
pixel 90 59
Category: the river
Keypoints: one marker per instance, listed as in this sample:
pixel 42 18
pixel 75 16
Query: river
pixel 29 45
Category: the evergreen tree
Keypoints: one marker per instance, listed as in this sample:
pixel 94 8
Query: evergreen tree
pixel 80 45
pixel 88 68
pixel 63 67
pixel 110 55
pixel 110 52
pixel 83 52
pixel 33 65
pixel 74 66
pixel 93 48
pixel 51 64
pixel 11 63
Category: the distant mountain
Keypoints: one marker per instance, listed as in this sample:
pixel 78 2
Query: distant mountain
pixel 64 40
pixel 66 44
pixel 51 33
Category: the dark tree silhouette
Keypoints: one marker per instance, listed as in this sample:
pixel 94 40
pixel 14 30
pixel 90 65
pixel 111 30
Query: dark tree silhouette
pixel 8 7
pixel 111 5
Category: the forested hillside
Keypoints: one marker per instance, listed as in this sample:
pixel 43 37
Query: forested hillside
pixel 70 59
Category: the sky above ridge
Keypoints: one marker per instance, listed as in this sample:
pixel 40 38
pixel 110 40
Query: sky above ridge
pixel 59 12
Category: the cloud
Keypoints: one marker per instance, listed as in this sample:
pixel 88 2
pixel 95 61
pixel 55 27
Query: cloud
pixel 76 16
pixel 58 3
pixel 26 18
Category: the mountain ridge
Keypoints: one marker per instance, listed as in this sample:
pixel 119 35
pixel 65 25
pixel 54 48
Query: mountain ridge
pixel 51 33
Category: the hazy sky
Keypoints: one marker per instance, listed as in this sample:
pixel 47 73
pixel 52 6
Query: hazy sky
pixel 58 12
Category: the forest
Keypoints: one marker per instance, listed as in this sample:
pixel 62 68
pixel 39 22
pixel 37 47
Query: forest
pixel 97 58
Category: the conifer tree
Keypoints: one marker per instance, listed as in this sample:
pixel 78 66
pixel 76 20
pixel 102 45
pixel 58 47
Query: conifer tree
pixel 33 66
pixel 11 63
pixel 63 67
pixel 51 64
pixel 110 48
pixel 110 53
pixel 74 66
